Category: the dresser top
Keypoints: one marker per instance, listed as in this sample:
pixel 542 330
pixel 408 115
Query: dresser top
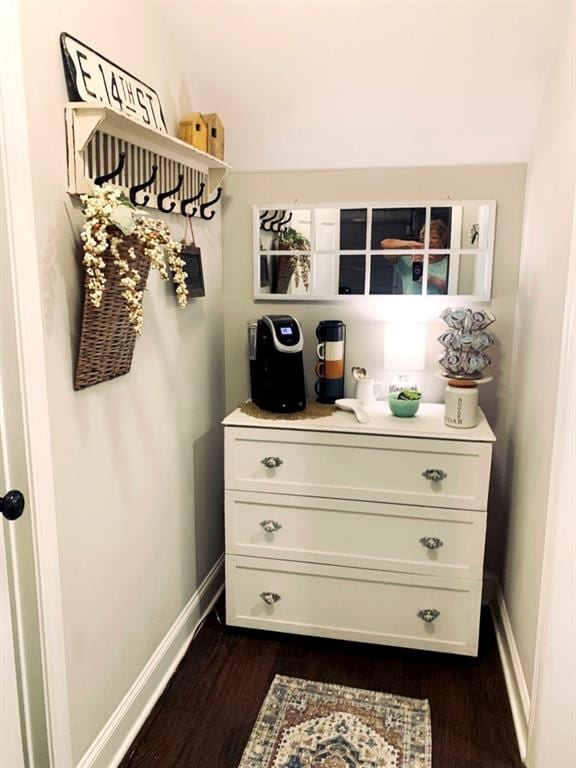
pixel 428 422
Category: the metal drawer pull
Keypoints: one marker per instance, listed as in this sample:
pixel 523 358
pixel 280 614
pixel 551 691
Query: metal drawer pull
pixel 431 542
pixel 271 462
pixel 428 614
pixel 270 597
pixel 434 474
pixel 270 526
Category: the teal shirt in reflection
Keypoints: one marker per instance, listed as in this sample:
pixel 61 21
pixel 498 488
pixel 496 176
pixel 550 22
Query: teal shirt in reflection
pixel 414 287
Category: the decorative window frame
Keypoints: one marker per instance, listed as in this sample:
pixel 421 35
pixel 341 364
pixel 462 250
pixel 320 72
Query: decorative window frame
pixel 368 251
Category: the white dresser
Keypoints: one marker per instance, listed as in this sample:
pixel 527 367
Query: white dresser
pixel 372 532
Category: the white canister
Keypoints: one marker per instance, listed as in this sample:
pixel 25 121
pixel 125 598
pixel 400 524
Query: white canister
pixel 461 406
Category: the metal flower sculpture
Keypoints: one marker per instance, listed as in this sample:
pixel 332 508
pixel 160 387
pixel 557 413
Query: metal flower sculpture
pixel 465 342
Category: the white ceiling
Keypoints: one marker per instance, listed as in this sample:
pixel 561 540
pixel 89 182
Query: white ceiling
pixel 356 84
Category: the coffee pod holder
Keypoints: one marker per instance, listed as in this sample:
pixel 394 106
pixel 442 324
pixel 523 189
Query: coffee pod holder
pixel 463 360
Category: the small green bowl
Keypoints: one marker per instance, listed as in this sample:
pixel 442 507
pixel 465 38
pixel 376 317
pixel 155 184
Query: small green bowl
pixel 403 408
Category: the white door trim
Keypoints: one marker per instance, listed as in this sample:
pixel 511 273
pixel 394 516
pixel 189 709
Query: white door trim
pixel 24 267
pixel 556 618
pixel 12 752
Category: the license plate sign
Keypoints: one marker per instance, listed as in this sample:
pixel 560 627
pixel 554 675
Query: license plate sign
pixel 92 77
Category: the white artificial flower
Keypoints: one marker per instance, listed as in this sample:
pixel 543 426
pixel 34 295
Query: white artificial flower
pixel 122 217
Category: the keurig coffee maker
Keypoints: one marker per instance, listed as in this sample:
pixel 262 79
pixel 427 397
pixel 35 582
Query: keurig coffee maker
pixel 276 367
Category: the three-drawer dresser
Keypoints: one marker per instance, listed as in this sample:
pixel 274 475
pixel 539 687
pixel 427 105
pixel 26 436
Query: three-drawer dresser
pixel 370 532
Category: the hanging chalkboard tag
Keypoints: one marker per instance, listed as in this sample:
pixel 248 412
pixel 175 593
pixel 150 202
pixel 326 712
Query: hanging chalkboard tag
pixel 192 258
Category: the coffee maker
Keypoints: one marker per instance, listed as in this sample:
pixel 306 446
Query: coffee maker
pixel 276 366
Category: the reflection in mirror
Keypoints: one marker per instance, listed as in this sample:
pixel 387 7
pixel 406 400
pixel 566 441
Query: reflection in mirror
pixel 352 274
pixel 271 223
pixel 321 251
pixel 287 273
pixel 395 275
pixel 384 277
pixel 438 272
pixel 264 271
pixel 468 275
pixel 440 234
pixel 326 274
pixel 282 229
pixel 327 229
pixel 353 229
pixel 394 228
pixel 474 226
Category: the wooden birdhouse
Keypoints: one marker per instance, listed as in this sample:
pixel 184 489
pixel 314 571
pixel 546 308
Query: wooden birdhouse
pixel 193 130
pixel 215 135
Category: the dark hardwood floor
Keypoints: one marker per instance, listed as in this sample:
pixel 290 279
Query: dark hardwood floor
pixel 204 718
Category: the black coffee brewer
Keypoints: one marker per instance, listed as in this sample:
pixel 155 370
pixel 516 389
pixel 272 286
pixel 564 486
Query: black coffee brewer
pixel 276 367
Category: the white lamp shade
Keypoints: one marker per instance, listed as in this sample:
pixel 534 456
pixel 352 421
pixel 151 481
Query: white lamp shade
pixel 405 347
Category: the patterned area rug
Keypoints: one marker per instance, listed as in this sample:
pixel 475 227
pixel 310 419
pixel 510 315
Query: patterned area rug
pixel 314 725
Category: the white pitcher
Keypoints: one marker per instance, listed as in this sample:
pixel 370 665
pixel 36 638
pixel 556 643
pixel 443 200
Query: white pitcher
pixel 367 390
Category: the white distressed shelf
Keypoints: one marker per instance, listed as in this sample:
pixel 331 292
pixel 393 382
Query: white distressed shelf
pixel 97 133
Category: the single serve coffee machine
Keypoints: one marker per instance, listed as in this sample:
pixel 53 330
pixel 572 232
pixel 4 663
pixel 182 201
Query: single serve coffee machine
pixel 276 366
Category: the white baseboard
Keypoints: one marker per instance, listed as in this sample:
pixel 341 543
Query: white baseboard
pixel 513 672
pixel 111 744
pixel 119 732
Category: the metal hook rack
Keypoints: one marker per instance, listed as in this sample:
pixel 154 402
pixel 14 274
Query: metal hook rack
pixel 105 145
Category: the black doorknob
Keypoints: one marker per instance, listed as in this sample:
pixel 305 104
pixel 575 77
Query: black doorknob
pixel 12 505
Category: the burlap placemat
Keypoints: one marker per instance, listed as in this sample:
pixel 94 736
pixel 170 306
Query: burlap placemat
pixel 312 411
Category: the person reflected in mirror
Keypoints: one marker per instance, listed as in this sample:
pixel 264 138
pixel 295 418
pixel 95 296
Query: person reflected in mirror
pixel 410 275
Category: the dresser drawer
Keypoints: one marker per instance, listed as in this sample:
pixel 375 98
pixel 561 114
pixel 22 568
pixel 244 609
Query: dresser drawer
pixel 353 604
pixel 436 541
pixel 365 467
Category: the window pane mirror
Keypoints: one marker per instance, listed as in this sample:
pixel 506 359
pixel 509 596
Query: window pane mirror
pixel 327 252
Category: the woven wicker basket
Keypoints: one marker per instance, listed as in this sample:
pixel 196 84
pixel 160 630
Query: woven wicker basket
pixel 107 337
pixel 282 274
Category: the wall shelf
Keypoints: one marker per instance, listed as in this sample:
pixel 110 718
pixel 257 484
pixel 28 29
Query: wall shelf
pixel 96 134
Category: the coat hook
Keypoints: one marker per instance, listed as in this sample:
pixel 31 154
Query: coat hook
pixel 100 180
pixel 268 226
pixel 139 187
pixel 209 203
pixel 264 219
pixel 169 193
pixel 275 224
pixel 284 223
pixel 189 200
